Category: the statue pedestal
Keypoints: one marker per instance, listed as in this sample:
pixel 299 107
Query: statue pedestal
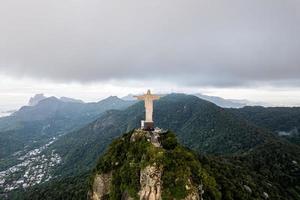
pixel 148 126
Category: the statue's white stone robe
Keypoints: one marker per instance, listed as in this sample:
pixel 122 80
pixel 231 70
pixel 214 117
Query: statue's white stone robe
pixel 148 99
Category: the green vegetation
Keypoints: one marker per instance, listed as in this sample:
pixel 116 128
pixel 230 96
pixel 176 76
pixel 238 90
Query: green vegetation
pixel 180 167
pixel 273 118
pixel 285 120
pixel 271 169
pixel 207 128
pixel 236 153
pixel 198 124
pixel 267 170
pixel 33 125
pixel 61 188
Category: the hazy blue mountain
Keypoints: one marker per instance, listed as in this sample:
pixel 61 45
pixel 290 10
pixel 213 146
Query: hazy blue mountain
pixel 49 118
pixel 224 103
pixel 62 109
pixel 5 113
pixel 229 103
pixel 36 99
pixel 39 97
pixel 67 99
pixel 129 97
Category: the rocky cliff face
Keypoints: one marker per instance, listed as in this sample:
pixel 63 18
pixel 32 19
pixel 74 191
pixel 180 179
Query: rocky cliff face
pixel 101 186
pixel 150 180
pixel 150 183
pixel 147 166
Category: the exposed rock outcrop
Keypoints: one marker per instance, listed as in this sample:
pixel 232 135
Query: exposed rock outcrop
pixel 193 191
pixel 193 196
pixel 144 161
pixel 248 189
pixel 265 195
pixel 101 186
pixel 150 180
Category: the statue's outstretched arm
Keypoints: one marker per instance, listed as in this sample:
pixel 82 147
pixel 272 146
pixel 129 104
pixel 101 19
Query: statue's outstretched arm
pixel 156 97
pixel 142 97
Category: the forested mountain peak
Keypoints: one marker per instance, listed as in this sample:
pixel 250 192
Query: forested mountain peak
pixel 150 166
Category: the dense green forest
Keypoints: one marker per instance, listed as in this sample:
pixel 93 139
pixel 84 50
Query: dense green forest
pixel 179 166
pixel 270 170
pixel 284 121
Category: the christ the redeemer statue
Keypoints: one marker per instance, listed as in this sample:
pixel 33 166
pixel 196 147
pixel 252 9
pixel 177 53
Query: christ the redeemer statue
pixel 148 99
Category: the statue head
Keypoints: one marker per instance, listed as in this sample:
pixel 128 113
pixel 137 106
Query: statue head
pixel 148 92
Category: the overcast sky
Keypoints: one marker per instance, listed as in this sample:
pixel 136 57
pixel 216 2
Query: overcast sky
pixel 93 48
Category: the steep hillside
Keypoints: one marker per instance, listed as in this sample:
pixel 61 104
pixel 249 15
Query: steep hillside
pixel 26 135
pixel 50 117
pixel 198 124
pixel 270 171
pixel 215 130
pixel 134 165
pixel 141 167
pixel 285 121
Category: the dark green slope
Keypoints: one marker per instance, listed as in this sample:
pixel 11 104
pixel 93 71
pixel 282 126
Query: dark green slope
pixel 271 169
pixel 279 163
pixel 282 120
pixel 206 127
pixel 179 166
pixel 80 148
pixel 199 125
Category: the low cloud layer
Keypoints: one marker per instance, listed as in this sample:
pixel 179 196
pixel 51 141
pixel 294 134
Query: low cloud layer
pixel 197 42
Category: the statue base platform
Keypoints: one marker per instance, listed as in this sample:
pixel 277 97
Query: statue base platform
pixel 148 126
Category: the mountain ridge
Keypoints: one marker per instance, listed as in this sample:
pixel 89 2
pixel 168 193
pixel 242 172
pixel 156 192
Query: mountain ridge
pixel 215 130
pixel 200 125
pixel 36 125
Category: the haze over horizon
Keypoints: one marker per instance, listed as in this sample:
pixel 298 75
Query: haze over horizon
pixel 93 49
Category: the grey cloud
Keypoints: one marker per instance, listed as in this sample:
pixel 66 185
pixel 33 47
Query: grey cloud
pixel 194 42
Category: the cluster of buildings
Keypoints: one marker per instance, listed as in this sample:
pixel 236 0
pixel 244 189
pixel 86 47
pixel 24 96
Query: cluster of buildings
pixel 33 168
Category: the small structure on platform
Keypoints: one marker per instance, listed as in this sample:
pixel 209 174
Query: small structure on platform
pixel 148 98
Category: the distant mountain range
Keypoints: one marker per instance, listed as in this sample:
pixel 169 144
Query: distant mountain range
pixel 50 117
pixel 224 103
pixel 6 113
pixel 247 161
pixel 237 140
pixel 230 103
pixel 39 97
